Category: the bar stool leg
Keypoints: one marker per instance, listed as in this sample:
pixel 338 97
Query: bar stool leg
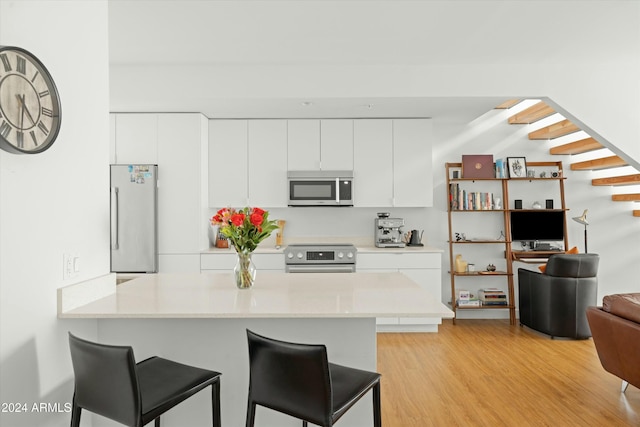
pixel 215 398
pixel 251 414
pixel 76 411
pixel 377 416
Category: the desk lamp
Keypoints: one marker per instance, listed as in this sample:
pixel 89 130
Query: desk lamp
pixel 583 220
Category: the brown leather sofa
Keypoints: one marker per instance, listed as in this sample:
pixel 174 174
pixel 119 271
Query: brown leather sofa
pixel 615 328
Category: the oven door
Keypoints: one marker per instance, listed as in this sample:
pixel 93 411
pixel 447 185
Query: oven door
pixel 321 268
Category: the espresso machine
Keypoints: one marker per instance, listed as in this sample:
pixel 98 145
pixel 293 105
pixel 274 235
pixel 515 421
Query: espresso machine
pixel 388 233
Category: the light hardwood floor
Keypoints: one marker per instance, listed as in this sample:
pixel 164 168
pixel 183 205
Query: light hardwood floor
pixel 488 373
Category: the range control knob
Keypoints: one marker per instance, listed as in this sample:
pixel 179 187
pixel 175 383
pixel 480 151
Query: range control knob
pixel 350 255
pixel 299 255
pixel 340 255
pixel 289 255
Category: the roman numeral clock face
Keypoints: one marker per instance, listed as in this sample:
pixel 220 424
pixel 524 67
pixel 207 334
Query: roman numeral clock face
pixel 29 103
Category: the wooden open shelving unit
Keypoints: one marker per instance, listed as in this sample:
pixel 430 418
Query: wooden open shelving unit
pixel 510 255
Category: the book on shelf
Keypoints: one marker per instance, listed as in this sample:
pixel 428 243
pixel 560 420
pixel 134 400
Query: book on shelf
pixel 477 166
pixel 493 296
pixel 492 291
pixel 460 199
pixel 491 303
pixel 500 168
pixel 473 302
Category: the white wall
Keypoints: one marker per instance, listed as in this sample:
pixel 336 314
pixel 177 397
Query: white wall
pixel 51 203
pixel 585 58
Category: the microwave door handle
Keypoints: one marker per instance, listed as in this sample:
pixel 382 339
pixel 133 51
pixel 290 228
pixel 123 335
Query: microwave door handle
pixel 338 190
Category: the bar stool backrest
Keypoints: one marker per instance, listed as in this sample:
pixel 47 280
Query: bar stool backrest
pixel 106 382
pixel 291 378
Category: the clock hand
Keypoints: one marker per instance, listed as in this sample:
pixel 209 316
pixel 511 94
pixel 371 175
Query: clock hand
pixel 24 108
pixel 21 106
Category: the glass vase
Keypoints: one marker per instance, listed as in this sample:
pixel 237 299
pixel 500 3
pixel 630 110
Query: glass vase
pixel 244 271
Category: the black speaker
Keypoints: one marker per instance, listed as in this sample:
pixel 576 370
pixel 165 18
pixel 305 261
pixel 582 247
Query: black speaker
pixel 518 204
pixel 549 204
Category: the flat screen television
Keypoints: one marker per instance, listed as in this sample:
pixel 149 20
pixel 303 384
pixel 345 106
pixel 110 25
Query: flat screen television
pixel 537 225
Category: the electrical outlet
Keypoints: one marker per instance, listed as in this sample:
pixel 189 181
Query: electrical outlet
pixel 70 265
pixel 76 264
pixel 67 266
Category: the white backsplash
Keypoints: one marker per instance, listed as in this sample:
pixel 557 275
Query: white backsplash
pixel 341 225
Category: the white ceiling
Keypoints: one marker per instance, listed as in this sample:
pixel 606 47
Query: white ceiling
pixel 359 33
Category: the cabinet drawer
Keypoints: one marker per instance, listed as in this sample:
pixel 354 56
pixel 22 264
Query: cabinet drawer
pixel 226 261
pixel 182 263
pixel 398 260
pixel 269 261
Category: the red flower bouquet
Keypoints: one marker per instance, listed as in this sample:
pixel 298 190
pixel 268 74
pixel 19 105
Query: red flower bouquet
pixel 245 228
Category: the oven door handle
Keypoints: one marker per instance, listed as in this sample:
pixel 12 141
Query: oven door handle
pixel 320 269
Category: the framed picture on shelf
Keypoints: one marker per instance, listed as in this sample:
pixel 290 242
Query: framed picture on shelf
pixel 517 167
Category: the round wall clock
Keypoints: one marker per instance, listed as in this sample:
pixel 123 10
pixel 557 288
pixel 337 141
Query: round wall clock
pixel 30 110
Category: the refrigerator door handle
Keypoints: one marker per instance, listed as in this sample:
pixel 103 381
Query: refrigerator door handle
pixel 114 218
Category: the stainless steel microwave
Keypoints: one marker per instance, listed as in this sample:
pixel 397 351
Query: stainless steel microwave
pixel 320 188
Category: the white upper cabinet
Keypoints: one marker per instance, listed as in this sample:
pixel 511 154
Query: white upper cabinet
pixel 228 163
pixel 372 162
pixel 112 139
pixel 314 144
pixel 336 149
pixel 267 163
pixel 412 163
pixel 393 163
pixel 136 137
pixel 303 144
pixel 182 181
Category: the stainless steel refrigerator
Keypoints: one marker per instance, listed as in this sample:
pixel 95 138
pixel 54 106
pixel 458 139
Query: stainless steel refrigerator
pixel 134 218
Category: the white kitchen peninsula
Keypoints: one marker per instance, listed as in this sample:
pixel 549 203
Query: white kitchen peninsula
pixel 422 264
pixel 201 319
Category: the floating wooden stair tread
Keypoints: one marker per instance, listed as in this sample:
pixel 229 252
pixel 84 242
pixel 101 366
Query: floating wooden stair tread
pixel 508 104
pixel 636 212
pixel 562 128
pixel 626 197
pixel 577 147
pixel 597 164
pixel 618 180
pixel 532 114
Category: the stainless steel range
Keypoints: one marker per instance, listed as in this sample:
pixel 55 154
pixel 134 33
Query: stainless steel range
pixel 320 258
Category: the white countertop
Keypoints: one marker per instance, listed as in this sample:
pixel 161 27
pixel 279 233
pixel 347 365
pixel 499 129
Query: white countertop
pixel 360 247
pixel 274 295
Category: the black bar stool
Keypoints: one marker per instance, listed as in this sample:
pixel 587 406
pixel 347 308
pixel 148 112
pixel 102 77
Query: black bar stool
pixel 109 382
pixel 298 380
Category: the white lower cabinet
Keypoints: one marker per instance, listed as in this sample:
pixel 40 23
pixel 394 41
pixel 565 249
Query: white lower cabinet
pixel 179 263
pixel 225 261
pixel 424 268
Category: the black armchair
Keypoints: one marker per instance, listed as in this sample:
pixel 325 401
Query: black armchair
pixel 555 302
pixel 109 382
